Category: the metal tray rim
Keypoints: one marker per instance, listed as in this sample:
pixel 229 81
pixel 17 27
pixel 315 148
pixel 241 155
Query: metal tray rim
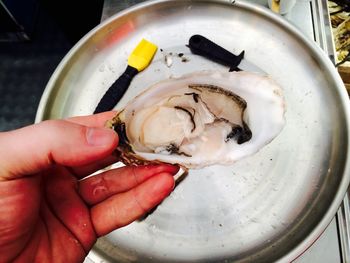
pixel 318 52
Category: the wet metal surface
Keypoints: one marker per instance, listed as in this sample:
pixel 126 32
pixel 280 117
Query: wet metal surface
pixel 223 213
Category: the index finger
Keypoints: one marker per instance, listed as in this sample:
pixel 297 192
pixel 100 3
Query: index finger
pixel 123 208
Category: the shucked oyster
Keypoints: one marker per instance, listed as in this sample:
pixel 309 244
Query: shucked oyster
pixel 200 119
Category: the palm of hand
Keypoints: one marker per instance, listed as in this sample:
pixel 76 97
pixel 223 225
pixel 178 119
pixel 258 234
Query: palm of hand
pixel 50 222
pixel 47 214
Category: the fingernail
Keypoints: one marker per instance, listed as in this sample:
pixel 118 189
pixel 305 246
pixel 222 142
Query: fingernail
pixel 163 167
pixel 100 136
pixel 174 168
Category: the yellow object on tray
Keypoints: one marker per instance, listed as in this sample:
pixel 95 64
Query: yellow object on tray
pixel 138 60
pixel 142 55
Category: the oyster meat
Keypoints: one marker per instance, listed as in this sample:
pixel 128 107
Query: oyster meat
pixel 200 119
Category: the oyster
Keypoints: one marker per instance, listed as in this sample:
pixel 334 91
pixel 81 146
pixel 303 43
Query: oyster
pixel 200 119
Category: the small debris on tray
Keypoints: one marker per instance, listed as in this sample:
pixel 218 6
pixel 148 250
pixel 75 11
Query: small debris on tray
pixel 170 56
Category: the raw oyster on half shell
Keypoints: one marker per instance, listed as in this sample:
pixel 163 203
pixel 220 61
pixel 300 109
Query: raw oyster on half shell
pixel 200 119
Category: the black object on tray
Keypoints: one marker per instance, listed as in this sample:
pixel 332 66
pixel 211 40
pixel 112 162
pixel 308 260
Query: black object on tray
pixel 202 46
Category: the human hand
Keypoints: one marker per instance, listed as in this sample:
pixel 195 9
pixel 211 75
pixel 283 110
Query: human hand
pixel 47 214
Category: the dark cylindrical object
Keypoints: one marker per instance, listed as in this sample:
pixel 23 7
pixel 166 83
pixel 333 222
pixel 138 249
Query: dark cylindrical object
pixel 202 46
pixel 116 91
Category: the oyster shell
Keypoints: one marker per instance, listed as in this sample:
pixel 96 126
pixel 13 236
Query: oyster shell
pixel 200 119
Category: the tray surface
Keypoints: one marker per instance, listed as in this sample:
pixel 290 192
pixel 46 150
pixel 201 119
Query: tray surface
pixel 272 205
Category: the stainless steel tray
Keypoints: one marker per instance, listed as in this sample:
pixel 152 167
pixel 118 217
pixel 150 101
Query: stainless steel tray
pixel 271 206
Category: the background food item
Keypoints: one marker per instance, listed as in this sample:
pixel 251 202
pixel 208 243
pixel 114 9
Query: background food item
pixel 340 18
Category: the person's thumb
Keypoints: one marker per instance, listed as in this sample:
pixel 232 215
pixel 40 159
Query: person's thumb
pixel 35 148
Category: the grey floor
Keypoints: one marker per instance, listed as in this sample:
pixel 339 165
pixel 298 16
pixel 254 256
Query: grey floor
pixel 25 68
